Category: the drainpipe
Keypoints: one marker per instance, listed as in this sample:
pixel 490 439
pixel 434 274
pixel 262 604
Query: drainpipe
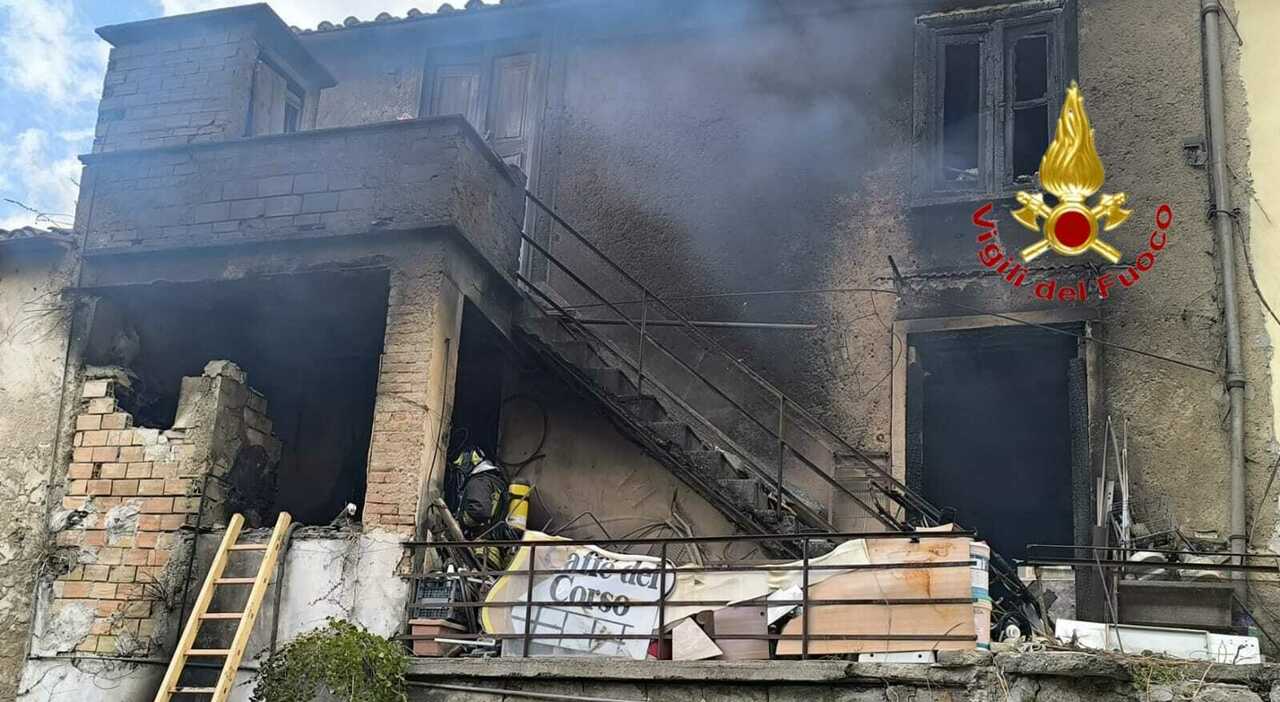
pixel 1222 217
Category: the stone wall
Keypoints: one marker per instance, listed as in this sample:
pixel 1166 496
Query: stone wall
pixel 187 79
pixel 131 492
pixel 167 90
pixel 398 176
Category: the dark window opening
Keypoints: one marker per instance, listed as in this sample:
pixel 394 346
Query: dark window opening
pixel 1028 117
pixel 960 107
pixel 988 87
pixel 991 413
pixel 1030 139
pixel 1030 68
pixel 309 343
pixel 477 396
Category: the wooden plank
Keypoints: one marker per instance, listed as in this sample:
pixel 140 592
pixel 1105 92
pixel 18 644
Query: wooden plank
pixel 741 620
pixel 228 676
pixel 925 621
pixel 165 693
pixel 249 547
pixel 897 583
pixel 222 615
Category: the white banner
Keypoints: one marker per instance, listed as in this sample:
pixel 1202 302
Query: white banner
pixel 603 594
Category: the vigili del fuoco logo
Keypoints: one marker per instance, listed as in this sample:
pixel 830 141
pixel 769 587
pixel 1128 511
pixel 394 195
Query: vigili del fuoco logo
pixel 1072 173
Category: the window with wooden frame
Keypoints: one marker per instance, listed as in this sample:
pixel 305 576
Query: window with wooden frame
pixel 276 103
pixel 988 86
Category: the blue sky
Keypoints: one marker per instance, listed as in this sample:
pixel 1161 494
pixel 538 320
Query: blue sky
pixel 51 68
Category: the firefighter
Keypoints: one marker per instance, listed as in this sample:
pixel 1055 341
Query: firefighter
pixel 483 504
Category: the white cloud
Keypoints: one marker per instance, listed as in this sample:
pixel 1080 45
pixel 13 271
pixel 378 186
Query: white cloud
pixel 46 52
pixel 309 13
pixel 40 170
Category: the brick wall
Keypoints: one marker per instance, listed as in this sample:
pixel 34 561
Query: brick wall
pixel 404 418
pixel 130 493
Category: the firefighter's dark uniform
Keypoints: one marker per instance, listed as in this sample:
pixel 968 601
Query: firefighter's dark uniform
pixel 484 502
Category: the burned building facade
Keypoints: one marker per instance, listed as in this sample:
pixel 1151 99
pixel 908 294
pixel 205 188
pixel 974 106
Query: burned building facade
pixel 304 271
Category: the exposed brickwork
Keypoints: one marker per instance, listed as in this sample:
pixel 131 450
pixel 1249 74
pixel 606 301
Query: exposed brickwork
pixel 402 420
pixel 129 492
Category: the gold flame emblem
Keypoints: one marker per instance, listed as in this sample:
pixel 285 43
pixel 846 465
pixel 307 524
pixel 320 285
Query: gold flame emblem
pixel 1072 172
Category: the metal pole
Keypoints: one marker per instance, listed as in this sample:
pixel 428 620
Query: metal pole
pixel 644 320
pixel 662 597
pixel 528 604
pixel 804 603
pixel 782 452
pixel 1222 220
pixel 781 326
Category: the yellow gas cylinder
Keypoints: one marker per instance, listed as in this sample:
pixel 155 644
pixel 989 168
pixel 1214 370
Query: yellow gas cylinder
pixel 518 505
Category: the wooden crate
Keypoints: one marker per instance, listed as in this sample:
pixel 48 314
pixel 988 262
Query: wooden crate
pixel 871 620
pixel 433 627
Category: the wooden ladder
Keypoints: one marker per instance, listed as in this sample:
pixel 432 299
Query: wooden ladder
pixel 200 612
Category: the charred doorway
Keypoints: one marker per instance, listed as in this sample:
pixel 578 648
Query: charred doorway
pixel 310 343
pixel 990 431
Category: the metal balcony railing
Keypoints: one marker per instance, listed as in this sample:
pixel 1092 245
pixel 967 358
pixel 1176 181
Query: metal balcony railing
pixel 474 578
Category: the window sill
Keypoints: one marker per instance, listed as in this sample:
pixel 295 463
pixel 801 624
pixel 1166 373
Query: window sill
pixel 925 201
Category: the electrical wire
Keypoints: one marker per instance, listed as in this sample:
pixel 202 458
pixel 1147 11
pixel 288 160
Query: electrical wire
pixel 1253 525
pixel 535 454
pixel 1248 262
pixel 446 409
pixel 943 299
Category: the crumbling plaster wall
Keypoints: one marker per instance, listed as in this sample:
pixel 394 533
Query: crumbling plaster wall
pixel 1258 21
pixel 1178 418
pixel 379 75
pixel 35 323
pixel 325 573
pixel 586 465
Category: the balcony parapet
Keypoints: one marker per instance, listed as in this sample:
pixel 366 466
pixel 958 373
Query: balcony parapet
pixel 409 175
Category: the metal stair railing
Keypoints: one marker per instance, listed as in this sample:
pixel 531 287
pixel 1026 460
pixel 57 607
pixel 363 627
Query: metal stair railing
pixel 882 481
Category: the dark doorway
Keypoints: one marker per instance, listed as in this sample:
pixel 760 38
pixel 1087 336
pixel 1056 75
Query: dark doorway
pixel 477 397
pixel 989 409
